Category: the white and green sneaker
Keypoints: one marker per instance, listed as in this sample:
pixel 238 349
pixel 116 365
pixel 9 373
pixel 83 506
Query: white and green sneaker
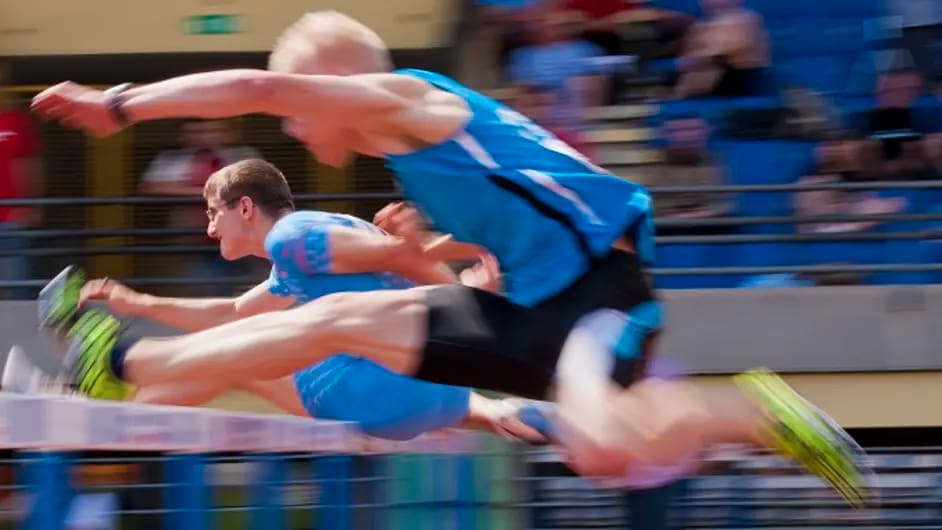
pixel 59 300
pixel 88 362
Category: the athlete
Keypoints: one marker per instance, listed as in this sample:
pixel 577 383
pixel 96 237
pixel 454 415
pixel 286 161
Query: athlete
pixel 313 253
pixel 571 239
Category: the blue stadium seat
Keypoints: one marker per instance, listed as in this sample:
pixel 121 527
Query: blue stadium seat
pixel 711 109
pixel 773 11
pixel 765 162
pixel 768 254
pixel 806 9
pixel 829 74
pixel 680 256
pixel 853 9
pixel 841 37
pixel 903 252
pixel 798 44
pixel 687 7
pixel 859 252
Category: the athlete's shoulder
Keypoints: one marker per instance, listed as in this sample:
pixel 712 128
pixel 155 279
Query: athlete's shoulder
pixel 296 225
pixel 426 75
pixel 445 83
pixel 304 224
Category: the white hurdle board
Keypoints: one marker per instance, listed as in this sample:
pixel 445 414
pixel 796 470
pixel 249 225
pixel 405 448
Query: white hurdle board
pixel 55 422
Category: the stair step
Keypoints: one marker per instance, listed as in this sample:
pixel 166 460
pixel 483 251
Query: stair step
pixel 618 136
pixel 620 112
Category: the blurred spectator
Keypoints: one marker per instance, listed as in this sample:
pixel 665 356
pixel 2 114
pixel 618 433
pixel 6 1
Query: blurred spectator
pixel 599 21
pixel 207 147
pixel 539 103
pixel 558 61
pixel 21 176
pixel 726 54
pixel 921 25
pixel 494 29
pixel 842 160
pixel 904 149
pixel 688 162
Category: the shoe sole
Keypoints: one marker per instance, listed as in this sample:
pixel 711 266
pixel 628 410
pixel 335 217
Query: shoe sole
pixel 47 296
pixel 830 453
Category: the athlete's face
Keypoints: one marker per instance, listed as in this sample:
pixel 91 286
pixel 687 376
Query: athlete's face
pixel 229 223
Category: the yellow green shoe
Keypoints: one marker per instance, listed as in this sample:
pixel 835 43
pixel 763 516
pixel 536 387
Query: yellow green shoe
pixel 88 361
pixel 801 431
pixel 58 301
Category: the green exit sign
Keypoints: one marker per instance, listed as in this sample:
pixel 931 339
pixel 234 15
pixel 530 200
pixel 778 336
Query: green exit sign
pixel 214 24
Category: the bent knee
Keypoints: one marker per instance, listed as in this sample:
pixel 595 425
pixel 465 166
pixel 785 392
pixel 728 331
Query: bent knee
pixel 594 460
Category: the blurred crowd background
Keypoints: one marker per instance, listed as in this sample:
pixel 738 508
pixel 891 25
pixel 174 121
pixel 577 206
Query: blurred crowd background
pixel 832 102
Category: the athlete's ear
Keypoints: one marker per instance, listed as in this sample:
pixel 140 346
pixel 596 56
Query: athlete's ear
pixel 245 205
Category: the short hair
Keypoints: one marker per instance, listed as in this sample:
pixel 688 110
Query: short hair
pixel 253 178
pixel 335 37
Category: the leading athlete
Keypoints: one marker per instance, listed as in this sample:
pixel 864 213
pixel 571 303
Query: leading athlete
pixel 577 314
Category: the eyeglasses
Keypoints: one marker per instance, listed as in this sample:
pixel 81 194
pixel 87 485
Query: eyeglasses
pixel 212 211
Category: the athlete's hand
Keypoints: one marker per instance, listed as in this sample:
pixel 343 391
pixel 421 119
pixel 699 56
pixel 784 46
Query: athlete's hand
pixel 484 275
pixel 76 106
pixel 120 298
pixel 404 221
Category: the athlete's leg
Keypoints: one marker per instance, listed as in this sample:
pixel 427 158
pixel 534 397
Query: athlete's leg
pixel 654 422
pixel 192 394
pixel 279 392
pixel 385 326
pixel 665 423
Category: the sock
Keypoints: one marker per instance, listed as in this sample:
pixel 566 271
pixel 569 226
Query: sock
pixel 118 354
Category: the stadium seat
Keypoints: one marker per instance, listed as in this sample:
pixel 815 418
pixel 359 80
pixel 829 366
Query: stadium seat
pixel 675 256
pixel 764 162
pixel 902 252
pixel 829 74
pixel 853 9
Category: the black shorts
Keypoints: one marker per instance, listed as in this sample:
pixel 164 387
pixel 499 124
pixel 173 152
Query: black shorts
pixel 482 340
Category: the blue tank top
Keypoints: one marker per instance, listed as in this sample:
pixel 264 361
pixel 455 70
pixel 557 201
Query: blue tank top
pixel 300 256
pixel 507 184
pixel 345 387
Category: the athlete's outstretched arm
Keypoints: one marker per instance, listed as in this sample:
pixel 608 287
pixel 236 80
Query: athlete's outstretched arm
pixel 380 100
pixel 344 250
pixel 227 93
pixel 188 314
pixel 354 251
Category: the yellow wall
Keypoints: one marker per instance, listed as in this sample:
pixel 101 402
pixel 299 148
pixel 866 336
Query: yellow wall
pixel 41 27
pixel 904 399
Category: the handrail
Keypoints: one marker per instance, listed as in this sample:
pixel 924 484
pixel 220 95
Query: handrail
pixel 661 222
pixel 733 188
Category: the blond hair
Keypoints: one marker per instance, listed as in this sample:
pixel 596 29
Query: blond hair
pixel 253 178
pixel 329 40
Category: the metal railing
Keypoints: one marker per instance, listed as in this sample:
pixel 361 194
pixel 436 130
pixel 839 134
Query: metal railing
pixel 508 487
pixel 71 242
